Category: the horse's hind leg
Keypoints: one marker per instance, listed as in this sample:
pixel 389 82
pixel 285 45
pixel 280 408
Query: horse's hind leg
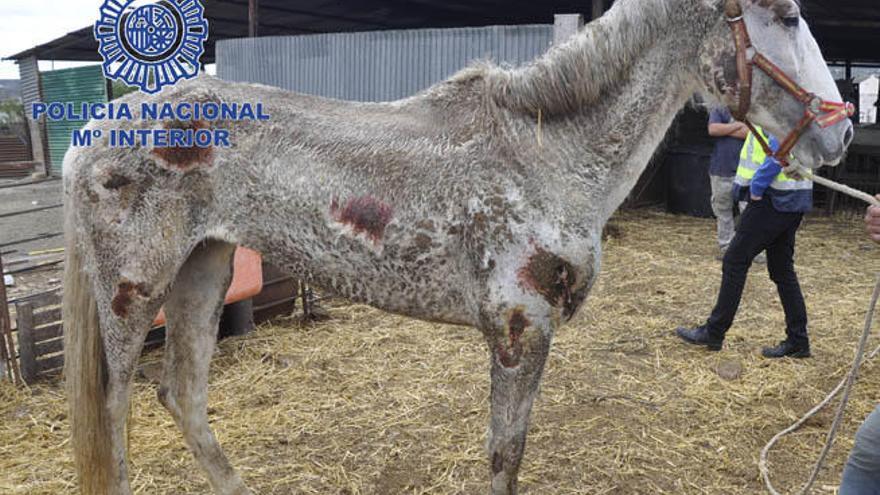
pixel 519 350
pixel 120 370
pixel 127 309
pixel 193 311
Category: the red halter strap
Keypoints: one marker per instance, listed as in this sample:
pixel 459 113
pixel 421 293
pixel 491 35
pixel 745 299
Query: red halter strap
pixel 822 112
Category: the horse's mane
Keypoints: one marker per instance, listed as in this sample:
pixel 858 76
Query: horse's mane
pixel 575 73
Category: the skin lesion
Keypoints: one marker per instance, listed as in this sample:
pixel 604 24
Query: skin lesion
pixel 116 181
pixel 510 352
pixel 126 291
pixel 188 157
pixel 557 280
pixel 365 215
pixel 497 463
pixel 550 276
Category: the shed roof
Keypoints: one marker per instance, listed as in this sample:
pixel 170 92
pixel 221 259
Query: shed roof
pixel 229 19
pixel 846 29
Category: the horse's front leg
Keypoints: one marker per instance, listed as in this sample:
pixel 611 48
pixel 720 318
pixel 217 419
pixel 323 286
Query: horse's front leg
pixel 519 342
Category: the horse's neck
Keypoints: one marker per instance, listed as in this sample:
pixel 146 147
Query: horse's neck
pixel 627 128
pixel 578 72
pixel 599 134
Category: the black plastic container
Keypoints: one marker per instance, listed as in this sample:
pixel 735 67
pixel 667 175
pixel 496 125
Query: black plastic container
pixel 688 190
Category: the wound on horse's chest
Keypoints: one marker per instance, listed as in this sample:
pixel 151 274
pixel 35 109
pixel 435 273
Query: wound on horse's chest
pixel 553 278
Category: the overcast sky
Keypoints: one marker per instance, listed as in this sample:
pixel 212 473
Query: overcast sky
pixel 27 23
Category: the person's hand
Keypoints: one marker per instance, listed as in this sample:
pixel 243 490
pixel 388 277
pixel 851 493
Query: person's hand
pixel 872 222
pixel 738 130
pixel 759 198
pixel 792 173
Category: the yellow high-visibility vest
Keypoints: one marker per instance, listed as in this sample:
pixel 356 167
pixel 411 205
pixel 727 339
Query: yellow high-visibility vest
pixel 752 156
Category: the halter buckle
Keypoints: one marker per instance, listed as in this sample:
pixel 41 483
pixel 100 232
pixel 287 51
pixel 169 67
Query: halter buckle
pixel 815 105
pixel 850 109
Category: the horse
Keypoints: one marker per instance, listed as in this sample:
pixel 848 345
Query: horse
pixel 479 201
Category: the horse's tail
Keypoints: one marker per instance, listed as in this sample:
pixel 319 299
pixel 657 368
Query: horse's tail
pixel 84 368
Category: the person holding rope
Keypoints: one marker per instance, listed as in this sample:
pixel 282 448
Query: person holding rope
pixel 776 205
pixel 861 475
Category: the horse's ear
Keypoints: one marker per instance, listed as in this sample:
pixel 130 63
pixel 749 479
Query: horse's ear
pixel 732 8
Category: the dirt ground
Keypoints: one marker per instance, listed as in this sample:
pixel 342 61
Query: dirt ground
pixel 372 403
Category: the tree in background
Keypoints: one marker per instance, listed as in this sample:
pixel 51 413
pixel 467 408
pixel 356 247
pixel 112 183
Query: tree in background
pixel 12 119
pixel 118 90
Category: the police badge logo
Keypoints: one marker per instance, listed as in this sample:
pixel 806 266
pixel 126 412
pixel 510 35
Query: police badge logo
pixel 151 44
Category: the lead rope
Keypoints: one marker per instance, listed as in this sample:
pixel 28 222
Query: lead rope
pixel 847 383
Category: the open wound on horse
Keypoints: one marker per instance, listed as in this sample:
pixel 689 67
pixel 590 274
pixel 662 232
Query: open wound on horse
pixel 183 157
pixel 363 216
pixel 516 324
pixel 554 279
pixel 126 291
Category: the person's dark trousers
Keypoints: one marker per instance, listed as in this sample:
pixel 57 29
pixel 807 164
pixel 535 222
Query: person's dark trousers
pixel 762 228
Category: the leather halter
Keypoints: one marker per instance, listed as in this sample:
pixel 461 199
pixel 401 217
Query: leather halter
pixel 822 112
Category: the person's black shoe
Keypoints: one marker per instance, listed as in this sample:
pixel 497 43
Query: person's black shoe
pixel 699 336
pixel 787 349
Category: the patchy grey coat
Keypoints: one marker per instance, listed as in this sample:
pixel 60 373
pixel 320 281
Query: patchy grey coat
pixel 453 206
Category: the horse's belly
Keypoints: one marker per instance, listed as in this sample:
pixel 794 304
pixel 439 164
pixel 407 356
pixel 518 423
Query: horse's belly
pixel 405 271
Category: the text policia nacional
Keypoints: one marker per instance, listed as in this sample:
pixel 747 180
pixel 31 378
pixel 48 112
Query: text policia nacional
pixel 181 136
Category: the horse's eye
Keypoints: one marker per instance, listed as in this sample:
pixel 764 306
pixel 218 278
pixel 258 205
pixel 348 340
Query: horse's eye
pixel 791 21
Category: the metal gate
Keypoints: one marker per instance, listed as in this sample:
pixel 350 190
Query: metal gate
pixel 78 85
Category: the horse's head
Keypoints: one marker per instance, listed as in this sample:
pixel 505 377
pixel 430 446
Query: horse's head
pixel 769 66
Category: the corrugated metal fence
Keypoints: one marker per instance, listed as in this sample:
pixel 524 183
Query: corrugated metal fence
pixel 78 85
pixel 30 83
pixel 374 66
pixel 30 94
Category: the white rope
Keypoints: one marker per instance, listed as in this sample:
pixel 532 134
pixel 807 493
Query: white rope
pixel 830 184
pixel 847 383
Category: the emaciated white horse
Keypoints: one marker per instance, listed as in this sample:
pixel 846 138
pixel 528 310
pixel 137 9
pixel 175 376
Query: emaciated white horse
pixel 445 206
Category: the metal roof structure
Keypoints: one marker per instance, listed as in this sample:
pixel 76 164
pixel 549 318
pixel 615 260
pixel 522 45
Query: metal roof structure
pixel 847 30
pixel 230 19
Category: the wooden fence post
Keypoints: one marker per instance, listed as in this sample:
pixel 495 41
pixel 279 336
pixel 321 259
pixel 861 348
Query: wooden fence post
pixel 253 18
pixel 307 307
pixel 5 364
pixel 26 345
pixel 598 9
pixel 7 345
pixel 32 92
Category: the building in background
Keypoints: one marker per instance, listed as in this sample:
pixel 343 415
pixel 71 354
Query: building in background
pixel 869 89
